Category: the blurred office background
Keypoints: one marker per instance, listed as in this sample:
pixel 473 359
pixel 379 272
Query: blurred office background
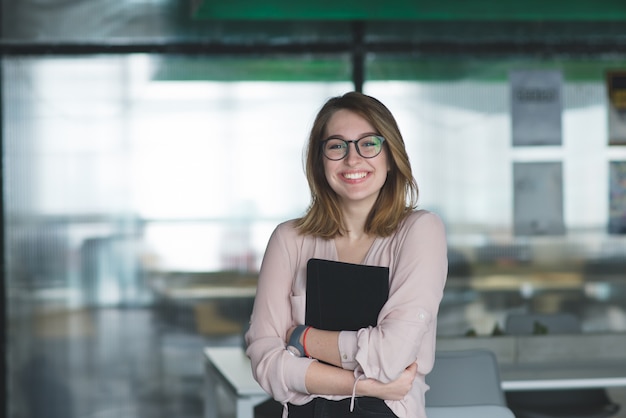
pixel 149 147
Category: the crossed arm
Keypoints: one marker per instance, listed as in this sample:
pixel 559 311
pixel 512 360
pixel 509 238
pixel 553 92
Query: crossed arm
pixel 328 377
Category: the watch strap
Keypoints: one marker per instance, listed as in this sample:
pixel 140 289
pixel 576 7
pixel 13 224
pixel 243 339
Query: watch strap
pixel 294 339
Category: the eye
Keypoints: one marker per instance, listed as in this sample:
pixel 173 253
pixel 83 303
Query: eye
pixel 335 144
pixel 370 141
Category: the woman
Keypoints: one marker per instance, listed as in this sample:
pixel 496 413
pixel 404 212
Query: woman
pixel 363 211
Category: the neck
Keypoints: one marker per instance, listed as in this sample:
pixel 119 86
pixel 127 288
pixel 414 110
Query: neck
pixel 355 236
pixel 355 225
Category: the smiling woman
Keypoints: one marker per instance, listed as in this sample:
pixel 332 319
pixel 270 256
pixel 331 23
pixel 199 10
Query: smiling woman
pixel 362 212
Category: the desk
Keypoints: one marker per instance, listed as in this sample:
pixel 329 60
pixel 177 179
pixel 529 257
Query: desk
pixel 204 286
pixel 573 375
pixel 229 367
pixel 470 411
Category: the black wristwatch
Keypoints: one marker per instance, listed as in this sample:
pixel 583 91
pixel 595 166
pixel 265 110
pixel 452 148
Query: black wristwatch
pixel 294 346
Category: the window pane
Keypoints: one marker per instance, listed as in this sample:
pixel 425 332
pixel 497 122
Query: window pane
pixel 132 200
pixel 457 125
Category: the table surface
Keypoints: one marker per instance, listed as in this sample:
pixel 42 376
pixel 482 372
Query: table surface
pixel 470 411
pixel 572 375
pixel 234 365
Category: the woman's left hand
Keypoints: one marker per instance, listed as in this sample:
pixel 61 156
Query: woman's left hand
pixel 395 390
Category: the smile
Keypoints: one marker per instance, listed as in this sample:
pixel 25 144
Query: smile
pixel 355 176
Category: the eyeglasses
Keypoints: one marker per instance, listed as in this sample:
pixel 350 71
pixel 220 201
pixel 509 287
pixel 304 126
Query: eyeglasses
pixel 368 146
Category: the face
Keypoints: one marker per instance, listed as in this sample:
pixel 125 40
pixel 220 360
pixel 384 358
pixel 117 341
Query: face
pixel 355 179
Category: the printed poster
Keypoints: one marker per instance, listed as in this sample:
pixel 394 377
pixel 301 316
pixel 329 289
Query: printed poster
pixel 538 198
pixel 617 197
pixel 616 91
pixel 536 107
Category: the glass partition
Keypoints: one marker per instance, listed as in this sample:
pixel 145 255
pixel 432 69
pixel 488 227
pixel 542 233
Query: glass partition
pixel 457 124
pixel 137 209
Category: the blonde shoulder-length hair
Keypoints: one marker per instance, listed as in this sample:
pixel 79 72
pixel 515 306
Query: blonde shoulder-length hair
pixel 398 196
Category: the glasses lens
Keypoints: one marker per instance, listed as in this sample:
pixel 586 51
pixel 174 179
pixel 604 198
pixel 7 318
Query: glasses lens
pixel 335 149
pixel 370 146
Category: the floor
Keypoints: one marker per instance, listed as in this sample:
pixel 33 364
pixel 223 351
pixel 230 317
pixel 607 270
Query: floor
pixel 119 363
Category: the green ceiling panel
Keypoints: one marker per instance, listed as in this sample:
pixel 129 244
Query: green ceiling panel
pixel 441 10
pixel 377 68
pixel 261 69
pixel 407 69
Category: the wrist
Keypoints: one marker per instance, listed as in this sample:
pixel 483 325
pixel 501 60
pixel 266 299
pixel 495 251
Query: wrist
pixel 306 331
pixel 364 387
pixel 295 345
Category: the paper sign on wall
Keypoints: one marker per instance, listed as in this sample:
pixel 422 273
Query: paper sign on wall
pixel 617 197
pixel 538 198
pixel 536 107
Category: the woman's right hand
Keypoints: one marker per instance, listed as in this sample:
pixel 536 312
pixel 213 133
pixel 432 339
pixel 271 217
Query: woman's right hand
pixel 393 391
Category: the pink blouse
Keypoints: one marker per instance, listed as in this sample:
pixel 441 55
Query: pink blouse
pixel 416 255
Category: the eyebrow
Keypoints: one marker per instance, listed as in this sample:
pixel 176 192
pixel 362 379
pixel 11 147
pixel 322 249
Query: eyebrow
pixel 357 138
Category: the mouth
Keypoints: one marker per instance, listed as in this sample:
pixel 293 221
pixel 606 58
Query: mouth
pixel 355 176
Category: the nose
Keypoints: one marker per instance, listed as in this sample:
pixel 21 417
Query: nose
pixel 353 155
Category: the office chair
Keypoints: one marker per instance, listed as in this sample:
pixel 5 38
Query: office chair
pixel 465 383
pixel 560 403
pixel 464 378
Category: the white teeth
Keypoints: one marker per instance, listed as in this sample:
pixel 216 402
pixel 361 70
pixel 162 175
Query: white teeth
pixel 354 176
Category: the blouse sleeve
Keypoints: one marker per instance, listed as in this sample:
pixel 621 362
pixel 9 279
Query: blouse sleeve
pixel 279 373
pixel 407 323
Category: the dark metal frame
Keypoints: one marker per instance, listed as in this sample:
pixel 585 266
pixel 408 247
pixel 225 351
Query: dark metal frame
pixel 4 406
